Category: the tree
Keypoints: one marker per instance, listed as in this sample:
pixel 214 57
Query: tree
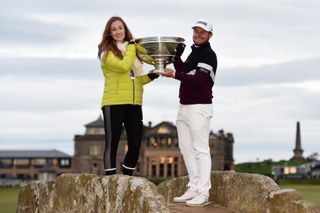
pixel 313 156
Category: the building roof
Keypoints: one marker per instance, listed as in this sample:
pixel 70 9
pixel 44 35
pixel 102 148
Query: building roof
pixel 33 154
pixel 166 123
pixel 96 123
pixel 172 129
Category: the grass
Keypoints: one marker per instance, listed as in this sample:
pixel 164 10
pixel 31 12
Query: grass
pixel 8 199
pixel 309 192
pixel 308 189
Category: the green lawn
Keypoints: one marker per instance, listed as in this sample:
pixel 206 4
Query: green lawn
pixel 8 199
pixel 310 192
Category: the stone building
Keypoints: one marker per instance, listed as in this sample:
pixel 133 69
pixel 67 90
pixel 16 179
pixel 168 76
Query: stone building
pixel 31 164
pixel 159 155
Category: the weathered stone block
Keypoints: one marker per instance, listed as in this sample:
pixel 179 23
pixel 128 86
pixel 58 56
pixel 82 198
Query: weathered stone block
pixel 88 193
pixel 244 193
pixel 290 201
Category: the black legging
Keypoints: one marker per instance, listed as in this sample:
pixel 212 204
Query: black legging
pixel 115 117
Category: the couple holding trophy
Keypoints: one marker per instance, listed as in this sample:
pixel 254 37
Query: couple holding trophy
pixel 121 59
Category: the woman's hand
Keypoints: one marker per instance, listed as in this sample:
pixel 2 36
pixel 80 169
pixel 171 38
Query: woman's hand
pixel 134 41
pixel 168 73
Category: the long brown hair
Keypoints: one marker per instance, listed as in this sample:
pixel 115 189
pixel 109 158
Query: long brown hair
pixel 108 43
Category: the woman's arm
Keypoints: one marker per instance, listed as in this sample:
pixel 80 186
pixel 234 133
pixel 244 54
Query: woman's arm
pixel 116 64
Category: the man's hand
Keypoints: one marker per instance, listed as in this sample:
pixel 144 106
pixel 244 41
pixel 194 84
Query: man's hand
pixel 179 50
pixel 169 73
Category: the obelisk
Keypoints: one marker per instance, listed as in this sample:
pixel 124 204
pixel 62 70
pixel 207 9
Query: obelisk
pixel 298 150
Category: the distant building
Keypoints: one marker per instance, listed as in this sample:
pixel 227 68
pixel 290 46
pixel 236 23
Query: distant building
pixel 28 164
pixel 310 170
pixel 159 156
pixel 315 170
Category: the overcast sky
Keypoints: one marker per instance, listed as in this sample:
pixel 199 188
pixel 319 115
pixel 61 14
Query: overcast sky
pixel 268 75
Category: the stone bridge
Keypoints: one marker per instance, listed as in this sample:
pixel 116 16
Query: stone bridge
pixel 88 193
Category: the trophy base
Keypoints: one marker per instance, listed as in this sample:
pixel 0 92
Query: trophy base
pixel 156 71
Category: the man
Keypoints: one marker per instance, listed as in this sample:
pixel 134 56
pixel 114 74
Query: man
pixel 196 76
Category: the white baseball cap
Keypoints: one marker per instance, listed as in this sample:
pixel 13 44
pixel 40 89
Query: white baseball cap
pixel 204 25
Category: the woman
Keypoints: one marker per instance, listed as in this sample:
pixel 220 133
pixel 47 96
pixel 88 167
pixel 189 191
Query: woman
pixel 122 97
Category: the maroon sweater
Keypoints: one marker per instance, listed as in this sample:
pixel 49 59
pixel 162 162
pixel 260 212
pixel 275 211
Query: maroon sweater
pixel 196 75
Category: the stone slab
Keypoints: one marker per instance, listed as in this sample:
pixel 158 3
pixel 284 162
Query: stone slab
pixel 211 208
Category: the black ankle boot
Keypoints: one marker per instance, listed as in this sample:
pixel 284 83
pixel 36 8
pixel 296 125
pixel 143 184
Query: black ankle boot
pixel 127 171
pixel 110 172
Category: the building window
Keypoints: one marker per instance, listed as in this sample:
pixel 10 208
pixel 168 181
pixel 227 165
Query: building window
pixel 51 161
pixel 38 163
pixel 175 166
pixel 162 159
pixel 176 170
pixel 8 176
pixel 95 150
pixel 95 131
pixel 169 142
pixel 154 170
pixel 5 163
pixel 176 159
pixel 169 170
pixel 148 163
pixel 148 142
pixel 161 170
pixel 22 163
pixel 154 143
pixel 163 142
pixel 64 163
pixel 163 130
pixel 99 131
pixel 24 176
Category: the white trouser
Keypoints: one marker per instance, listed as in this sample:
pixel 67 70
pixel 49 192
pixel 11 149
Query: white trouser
pixel 193 125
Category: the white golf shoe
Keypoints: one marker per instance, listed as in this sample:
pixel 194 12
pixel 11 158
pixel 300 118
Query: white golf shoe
pixel 188 195
pixel 199 200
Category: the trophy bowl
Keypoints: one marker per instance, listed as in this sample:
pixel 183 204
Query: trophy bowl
pixel 158 50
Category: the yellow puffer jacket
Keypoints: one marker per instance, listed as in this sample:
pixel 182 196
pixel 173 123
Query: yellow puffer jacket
pixel 119 88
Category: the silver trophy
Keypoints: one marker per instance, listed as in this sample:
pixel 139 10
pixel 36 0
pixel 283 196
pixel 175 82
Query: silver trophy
pixel 158 50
